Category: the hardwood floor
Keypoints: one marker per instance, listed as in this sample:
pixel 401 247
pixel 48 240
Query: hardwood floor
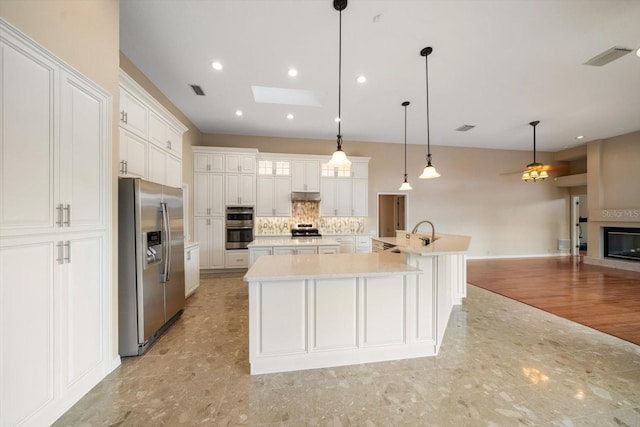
pixel 602 298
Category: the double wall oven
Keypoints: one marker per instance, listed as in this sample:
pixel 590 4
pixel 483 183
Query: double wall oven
pixel 239 227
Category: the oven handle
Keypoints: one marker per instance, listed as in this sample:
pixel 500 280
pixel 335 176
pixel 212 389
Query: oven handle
pixel 231 227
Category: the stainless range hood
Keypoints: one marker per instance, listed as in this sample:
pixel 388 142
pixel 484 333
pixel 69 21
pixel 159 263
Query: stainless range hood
pixel 299 196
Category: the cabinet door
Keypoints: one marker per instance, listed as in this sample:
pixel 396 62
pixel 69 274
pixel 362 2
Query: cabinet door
pixel 83 144
pixel 248 189
pixel 344 196
pixel 347 244
pixel 284 251
pixel 360 197
pixel 157 164
pixel 312 175
pixel 201 206
pixel 255 253
pixel 83 290
pixel 191 270
pixel 27 162
pixel 282 195
pixel 28 278
pixel 158 131
pixel 231 192
pixel 360 170
pixel 134 115
pixel 328 249
pixel 133 152
pixel 202 233
pixel 201 162
pixel 217 242
pixel 216 194
pixel 174 172
pixel 265 196
pixel 328 195
pixel 309 250
pixel 240 163
pixel 174 138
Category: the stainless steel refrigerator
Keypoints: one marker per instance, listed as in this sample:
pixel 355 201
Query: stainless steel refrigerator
pixel 150 262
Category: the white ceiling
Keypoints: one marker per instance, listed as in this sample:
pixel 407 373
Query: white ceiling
pixel 496 64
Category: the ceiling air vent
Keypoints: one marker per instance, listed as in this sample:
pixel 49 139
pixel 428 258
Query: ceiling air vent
pixel 465 128
pixel 607 56
pixel 197 89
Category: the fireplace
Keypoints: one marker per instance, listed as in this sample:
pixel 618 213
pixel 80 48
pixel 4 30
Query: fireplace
pixel 622 243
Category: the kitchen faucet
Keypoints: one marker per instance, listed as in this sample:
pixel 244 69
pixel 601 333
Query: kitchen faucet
pixel 433 229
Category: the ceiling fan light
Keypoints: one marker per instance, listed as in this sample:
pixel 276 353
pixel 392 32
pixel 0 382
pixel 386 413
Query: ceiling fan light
pixel 526 176
pixel 544 175
pixel 534 175
pixel 429 172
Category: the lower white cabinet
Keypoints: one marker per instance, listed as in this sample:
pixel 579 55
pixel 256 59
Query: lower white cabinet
pixel 255 253
pixel 191 268
pixel 363 244
pixel 238 258
pixel 328 250
pixel 209 232
pixel 284 250
pixel 347 244
pixel 53 299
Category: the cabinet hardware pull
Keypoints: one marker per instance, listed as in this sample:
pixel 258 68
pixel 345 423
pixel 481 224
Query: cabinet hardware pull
pixel 60 260
pixel 122 116
pixel 273 211
pixel 239 198
pixel 189 256
pixel 68 221
pixel 239 168
pixel 126 167
pixel 208 211
pixel 208 221
pixel 68 246
pixel 59 209
pixel 126 118
pixel 208 167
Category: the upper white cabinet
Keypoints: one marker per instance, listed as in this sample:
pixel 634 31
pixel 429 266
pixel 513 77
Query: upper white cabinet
pixel 240 189
pixel 305 175
pixel 208 190
pixel 55 233
pixel 147 127
pixel 208 162
pixel 133 155
pixel 336 195
pixel 344 190
pixel 274 196
pixel 134 114
pixel 241 163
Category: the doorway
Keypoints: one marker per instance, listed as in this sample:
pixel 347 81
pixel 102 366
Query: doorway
pixel 579 225
pixel 392 214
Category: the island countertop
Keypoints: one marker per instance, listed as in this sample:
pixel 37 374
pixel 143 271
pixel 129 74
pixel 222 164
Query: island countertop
pixel 261 242
pixel 444 244
pixel 328 266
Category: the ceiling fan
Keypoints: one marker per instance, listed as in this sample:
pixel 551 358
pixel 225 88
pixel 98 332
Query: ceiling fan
pixel 537 171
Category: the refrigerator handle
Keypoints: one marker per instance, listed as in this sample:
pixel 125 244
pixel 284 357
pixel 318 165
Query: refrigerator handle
pixel 167 241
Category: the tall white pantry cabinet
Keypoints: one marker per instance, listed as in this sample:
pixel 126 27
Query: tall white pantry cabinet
pixel 55 263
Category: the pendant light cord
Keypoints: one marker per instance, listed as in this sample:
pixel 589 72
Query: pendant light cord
pixel 340 82
pixel 534 144
pixel 405 142
pixel 426 60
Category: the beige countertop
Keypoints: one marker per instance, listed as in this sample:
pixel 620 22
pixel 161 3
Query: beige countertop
pixel 189 245
pixel 291 267
pixel 265 242
pixel 444 244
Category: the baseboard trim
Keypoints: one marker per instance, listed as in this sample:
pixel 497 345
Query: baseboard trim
pixel 519 256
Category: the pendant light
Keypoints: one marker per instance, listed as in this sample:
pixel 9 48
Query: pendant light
pixel 405 185
pixel 429 170
pixel 339 157
pixel 535 171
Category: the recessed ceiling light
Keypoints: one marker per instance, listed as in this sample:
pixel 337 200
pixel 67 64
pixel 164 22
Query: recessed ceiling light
pixel 337 119
pixel 238 113
pixel 580 137
pixel 216 65
pixel 361 79
pixel 292 72
pixel 290 116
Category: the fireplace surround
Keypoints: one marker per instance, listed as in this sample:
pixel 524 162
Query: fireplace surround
pixel 622 243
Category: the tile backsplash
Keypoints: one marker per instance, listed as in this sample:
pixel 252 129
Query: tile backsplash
pixel 309 213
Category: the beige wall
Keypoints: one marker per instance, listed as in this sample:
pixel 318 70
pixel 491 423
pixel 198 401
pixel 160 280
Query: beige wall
pixel 475 195
pixel 84 34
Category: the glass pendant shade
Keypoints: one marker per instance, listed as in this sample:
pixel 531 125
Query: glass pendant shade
pixel 429 172
pixel 339 158
pixel 405 186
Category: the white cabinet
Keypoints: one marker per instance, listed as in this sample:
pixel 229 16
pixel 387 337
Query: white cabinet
pixel 258 251
pixel 133 155
pixel 150 137
pixel 240 189
pixel 328 249
pixel 255 253
pixel 240 163
pixel 134 114
pixel 360 170
pixel 238 258
pixel 363 244
pixel 209 232
pixel 191 269
pixel 208 190
pixel 293 250
pixel 305 175
pixel 360 197
pixel 336 194
pixel 347 244
pixel 273 196
pixel 205 162
pixel 164 135
pixel 55 258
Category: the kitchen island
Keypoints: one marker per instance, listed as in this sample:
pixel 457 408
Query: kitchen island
pixel 316 311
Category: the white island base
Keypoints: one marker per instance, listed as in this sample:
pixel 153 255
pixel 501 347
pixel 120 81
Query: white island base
pixel 310 311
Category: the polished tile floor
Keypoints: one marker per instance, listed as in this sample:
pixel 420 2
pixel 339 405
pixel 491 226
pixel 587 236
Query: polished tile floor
pixel 502 363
